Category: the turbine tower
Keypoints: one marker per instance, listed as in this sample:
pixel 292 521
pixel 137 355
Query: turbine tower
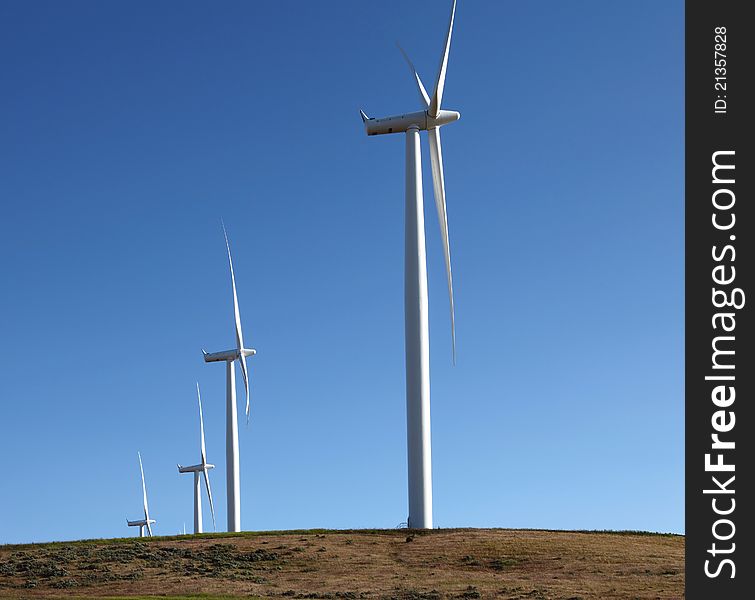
pixel 229 357
pixel 146 521
pixel 203 467
pixel 417 350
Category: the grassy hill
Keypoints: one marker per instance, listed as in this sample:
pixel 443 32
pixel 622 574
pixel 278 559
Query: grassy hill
pixel 350 565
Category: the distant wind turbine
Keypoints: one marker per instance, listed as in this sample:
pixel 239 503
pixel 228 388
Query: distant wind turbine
pixel 203 467
pixel 146 521
pixel 430 119
pixel 229 357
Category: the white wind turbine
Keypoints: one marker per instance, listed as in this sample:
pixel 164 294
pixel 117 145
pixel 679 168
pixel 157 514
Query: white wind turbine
pixel 415 276
pixel 229 357
pixel 146 521
pixel 203 467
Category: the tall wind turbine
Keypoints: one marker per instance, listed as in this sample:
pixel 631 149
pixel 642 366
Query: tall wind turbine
pixel 146 521
pixel 203 467
pixel 229 357
pixel 430 119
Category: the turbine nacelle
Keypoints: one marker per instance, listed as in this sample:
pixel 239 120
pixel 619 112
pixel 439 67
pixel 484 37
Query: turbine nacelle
pixel 195 468
pixel 228 355
pixel 141 523
pixel 401 123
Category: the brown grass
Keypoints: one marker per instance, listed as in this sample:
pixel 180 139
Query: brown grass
pixel 350 565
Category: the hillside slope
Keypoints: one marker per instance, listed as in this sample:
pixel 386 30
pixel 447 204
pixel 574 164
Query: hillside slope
pixel 380 564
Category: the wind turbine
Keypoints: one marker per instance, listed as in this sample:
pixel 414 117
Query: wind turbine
pixel 203 467
pixel 146 521
pixel 229 357
pixel 431 118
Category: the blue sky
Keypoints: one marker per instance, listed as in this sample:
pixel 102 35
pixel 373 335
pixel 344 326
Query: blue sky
pixel 128 130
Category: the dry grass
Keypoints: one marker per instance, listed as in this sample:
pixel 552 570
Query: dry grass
pixel 351 565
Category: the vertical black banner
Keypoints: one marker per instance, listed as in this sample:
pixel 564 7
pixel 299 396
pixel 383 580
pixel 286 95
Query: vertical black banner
pixel 720 371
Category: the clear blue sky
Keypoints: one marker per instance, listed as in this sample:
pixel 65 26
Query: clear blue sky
pixel 128 130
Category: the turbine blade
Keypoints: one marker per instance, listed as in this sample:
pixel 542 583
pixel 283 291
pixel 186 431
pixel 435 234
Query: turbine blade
pixel 420 87
pixel 434 107
pixel 209 495
pixel 439 187
pixel 201 429
pixel 149 528
pixel 236 315
pixel 144 489
pixel 245 375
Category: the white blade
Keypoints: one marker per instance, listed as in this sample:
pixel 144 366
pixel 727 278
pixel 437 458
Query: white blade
pixel 144 491
pixel 420 88
pixel 209 495
pixel 434 107
pixel 236 315
pixel 436 159
pixel 201 429
pixel 245 374
pixel 149 528
pixel 237 319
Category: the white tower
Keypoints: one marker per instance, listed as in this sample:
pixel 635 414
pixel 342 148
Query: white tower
pixel 203 467
pixel 415 277
pixel 146 521
pixel 230 357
